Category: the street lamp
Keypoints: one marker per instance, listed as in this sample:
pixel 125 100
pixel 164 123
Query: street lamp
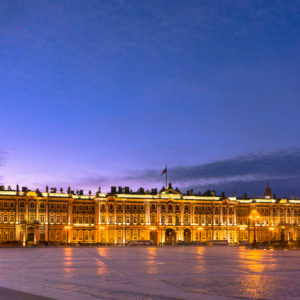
pixel 254 216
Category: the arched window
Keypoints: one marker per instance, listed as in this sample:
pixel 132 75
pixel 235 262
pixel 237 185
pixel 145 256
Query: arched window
pixel 186 219
pixel 177 220
pixel 152 219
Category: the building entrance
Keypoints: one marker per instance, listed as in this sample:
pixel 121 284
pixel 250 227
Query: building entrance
pixel 153 237
pixel 170 237
pixel 30 234
pixel 187 236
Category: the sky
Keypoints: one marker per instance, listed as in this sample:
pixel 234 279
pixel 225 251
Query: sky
pixel 102 93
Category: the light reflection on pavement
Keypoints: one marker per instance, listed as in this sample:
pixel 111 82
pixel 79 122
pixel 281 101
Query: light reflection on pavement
pixel 151 272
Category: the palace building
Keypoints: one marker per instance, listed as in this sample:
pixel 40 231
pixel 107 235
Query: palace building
pixel 164 217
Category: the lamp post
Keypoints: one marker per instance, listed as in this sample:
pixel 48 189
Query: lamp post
pixel 254 216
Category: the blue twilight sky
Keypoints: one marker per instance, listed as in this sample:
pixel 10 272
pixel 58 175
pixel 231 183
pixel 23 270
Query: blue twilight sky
pixel 109 92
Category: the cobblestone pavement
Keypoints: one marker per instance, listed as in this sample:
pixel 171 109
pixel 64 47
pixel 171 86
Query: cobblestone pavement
pixel 150 273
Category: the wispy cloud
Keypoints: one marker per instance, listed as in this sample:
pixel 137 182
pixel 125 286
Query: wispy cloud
pixel 248 173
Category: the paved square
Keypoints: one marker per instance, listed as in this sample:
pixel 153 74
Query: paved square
pixel 151 273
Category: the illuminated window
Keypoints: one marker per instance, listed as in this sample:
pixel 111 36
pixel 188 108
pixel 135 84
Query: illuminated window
pixel 152 219
pixel 127 219
pixel 111 219
pixel 64 219
pixel 186 220
pixel 86 220
pixel 74 220
pixel 42 218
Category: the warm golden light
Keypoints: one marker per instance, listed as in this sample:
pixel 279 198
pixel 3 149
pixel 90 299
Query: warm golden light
pixel 200 228
pixel 152 228
pixel 254 215
pixel 68 227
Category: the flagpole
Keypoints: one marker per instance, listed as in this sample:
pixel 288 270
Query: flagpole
pixel 166 176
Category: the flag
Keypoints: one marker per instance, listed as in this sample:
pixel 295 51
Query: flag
pixel 164 171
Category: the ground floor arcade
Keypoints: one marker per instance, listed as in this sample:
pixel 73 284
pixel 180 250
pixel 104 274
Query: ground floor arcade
pixel 113 234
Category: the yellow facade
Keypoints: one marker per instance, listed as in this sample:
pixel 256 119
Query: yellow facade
pixel 165 217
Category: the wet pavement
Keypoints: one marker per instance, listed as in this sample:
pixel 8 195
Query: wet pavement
pixel 151 272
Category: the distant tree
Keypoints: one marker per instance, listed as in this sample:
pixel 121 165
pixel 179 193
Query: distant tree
pixel 90 192
pixel 61 190
pixel 47 189
pixel 17 188
pixel 69 190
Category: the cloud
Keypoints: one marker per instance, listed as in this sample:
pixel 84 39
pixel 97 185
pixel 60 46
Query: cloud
pixel 248 173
